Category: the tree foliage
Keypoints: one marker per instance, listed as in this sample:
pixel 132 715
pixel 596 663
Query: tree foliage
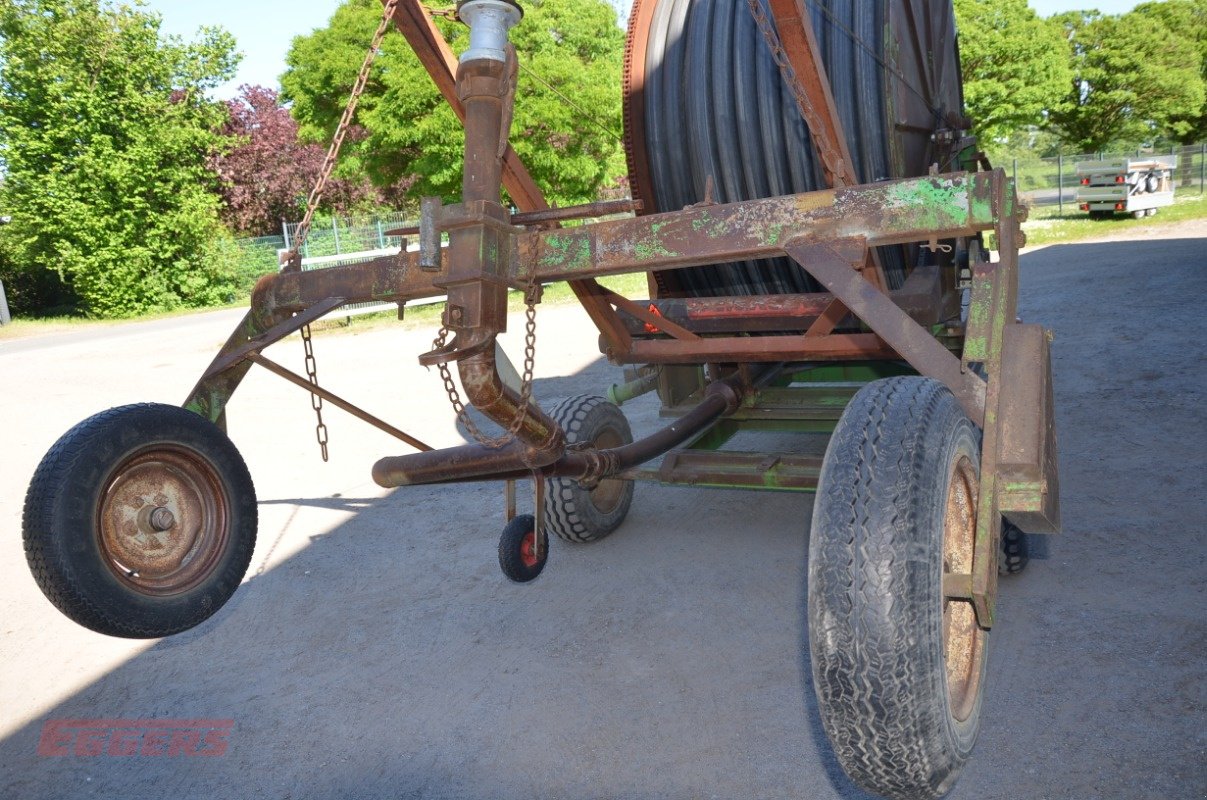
pixel 1133 78
pixel 266 173
pixel 105 132
pixel 567 116
pixel 1185 19
pixel 1015 65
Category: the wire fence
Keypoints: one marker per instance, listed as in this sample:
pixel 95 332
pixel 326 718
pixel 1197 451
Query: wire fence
pixel 329 238
pixel 1042 181
pixel 1054 181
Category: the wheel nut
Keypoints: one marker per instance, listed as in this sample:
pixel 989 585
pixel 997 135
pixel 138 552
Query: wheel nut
pixel 162 519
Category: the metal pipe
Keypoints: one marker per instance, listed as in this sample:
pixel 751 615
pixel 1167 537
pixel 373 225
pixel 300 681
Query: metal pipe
pixel 478 463
pixel 621 393
pixel 477 308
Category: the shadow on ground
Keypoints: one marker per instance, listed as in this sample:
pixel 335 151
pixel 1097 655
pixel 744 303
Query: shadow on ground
pixel 390 658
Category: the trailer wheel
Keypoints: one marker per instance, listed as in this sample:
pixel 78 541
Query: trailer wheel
pixel 140 522
pixel 1152 212
pixel 897 666
pixel 517 549
pixel 1139 213
pixel 575 513
pixel 1014 556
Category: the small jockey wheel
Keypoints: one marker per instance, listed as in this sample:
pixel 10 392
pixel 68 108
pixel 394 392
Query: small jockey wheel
pixel 523 550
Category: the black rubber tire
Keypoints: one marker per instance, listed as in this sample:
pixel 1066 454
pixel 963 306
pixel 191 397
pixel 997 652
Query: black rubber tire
pixel 1152 183
pixel 1140 214
pixel 1152 212
pixel 514 558
pixel 62 522
pixel 572 512
pixel 1015 554
pixel 876 607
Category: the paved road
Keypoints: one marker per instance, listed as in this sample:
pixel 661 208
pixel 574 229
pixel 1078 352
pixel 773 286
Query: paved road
pixel 376 651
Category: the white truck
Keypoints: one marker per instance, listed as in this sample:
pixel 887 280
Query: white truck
pixel 1136 186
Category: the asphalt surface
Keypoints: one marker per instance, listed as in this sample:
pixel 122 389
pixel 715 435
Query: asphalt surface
pixel 375 650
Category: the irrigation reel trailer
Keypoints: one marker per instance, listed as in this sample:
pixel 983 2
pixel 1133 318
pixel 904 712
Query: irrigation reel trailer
pixel 786 296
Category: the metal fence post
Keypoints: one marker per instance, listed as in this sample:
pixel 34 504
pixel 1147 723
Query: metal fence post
pixel 285 232
pixel 381 239
pixel 335 230
pixel 1014 174
pixel 1060 184
pixel 1202 165
pixel 5 317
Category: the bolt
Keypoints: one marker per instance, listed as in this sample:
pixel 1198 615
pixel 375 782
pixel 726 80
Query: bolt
pixel 162 519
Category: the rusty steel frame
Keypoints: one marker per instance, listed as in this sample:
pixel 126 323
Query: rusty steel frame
pixel 828 233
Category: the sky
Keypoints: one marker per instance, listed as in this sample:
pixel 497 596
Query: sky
pixel 264 29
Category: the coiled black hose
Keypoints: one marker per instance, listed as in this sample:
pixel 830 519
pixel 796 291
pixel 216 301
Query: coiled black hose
pixel 716 106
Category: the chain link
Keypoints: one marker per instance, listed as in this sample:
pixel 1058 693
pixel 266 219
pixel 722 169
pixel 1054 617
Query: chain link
pixel 495 442
pixel 825 148
pixel 316 402
pixel 341 131
pixel 293 260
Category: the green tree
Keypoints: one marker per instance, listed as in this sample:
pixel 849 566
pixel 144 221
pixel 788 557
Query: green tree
pixel 1186 19
pixel 1133 79
pixel 567 118
pixel 105 132
pixel 1015 66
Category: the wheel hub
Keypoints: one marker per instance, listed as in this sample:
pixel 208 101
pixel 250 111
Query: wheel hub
pixel 609 492
pixel 162 520
pixel 963 638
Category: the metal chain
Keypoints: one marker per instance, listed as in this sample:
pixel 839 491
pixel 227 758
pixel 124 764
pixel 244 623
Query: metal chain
pixel 316 402
pixel 495 442
pixel 341 130
pixel 294 262
pixel 825 148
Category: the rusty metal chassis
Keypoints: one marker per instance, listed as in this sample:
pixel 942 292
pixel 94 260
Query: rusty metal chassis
pixel 828 233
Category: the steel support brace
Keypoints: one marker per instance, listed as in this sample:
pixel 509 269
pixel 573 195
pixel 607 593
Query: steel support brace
pixel 833 264
pixel 993 306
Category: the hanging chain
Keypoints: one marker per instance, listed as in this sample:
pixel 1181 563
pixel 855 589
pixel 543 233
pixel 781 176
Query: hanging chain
pixel 294 262
pixel 341 130
pixel 531 298
pixel 316 402
pixel 825 148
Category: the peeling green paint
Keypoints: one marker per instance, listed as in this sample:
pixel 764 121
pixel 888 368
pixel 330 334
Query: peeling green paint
pixel 570 251
pixel 942 201
pixel 649 250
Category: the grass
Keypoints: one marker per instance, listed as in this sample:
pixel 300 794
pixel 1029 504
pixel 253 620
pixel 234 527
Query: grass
pixel 20 327
pixel 1047 226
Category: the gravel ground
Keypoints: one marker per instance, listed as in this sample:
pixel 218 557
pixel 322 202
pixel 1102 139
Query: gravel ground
pixel 376 651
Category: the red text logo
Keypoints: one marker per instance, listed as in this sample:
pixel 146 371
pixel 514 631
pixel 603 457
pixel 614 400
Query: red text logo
pixel 135 737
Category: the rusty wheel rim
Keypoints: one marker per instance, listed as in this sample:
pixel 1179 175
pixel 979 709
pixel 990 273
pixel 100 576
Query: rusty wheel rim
pixel 608 493
pixel 963 638
pixel 163 520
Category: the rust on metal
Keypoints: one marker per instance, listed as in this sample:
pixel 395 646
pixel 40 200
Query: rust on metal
pixel 987 324
pixel 163 520
pixel 1029 491
pixel 589 465
pixel 831 263
pixel 226 360
pixel 338 402
pixel 892 212
pixel 920 297
pixel 963 638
